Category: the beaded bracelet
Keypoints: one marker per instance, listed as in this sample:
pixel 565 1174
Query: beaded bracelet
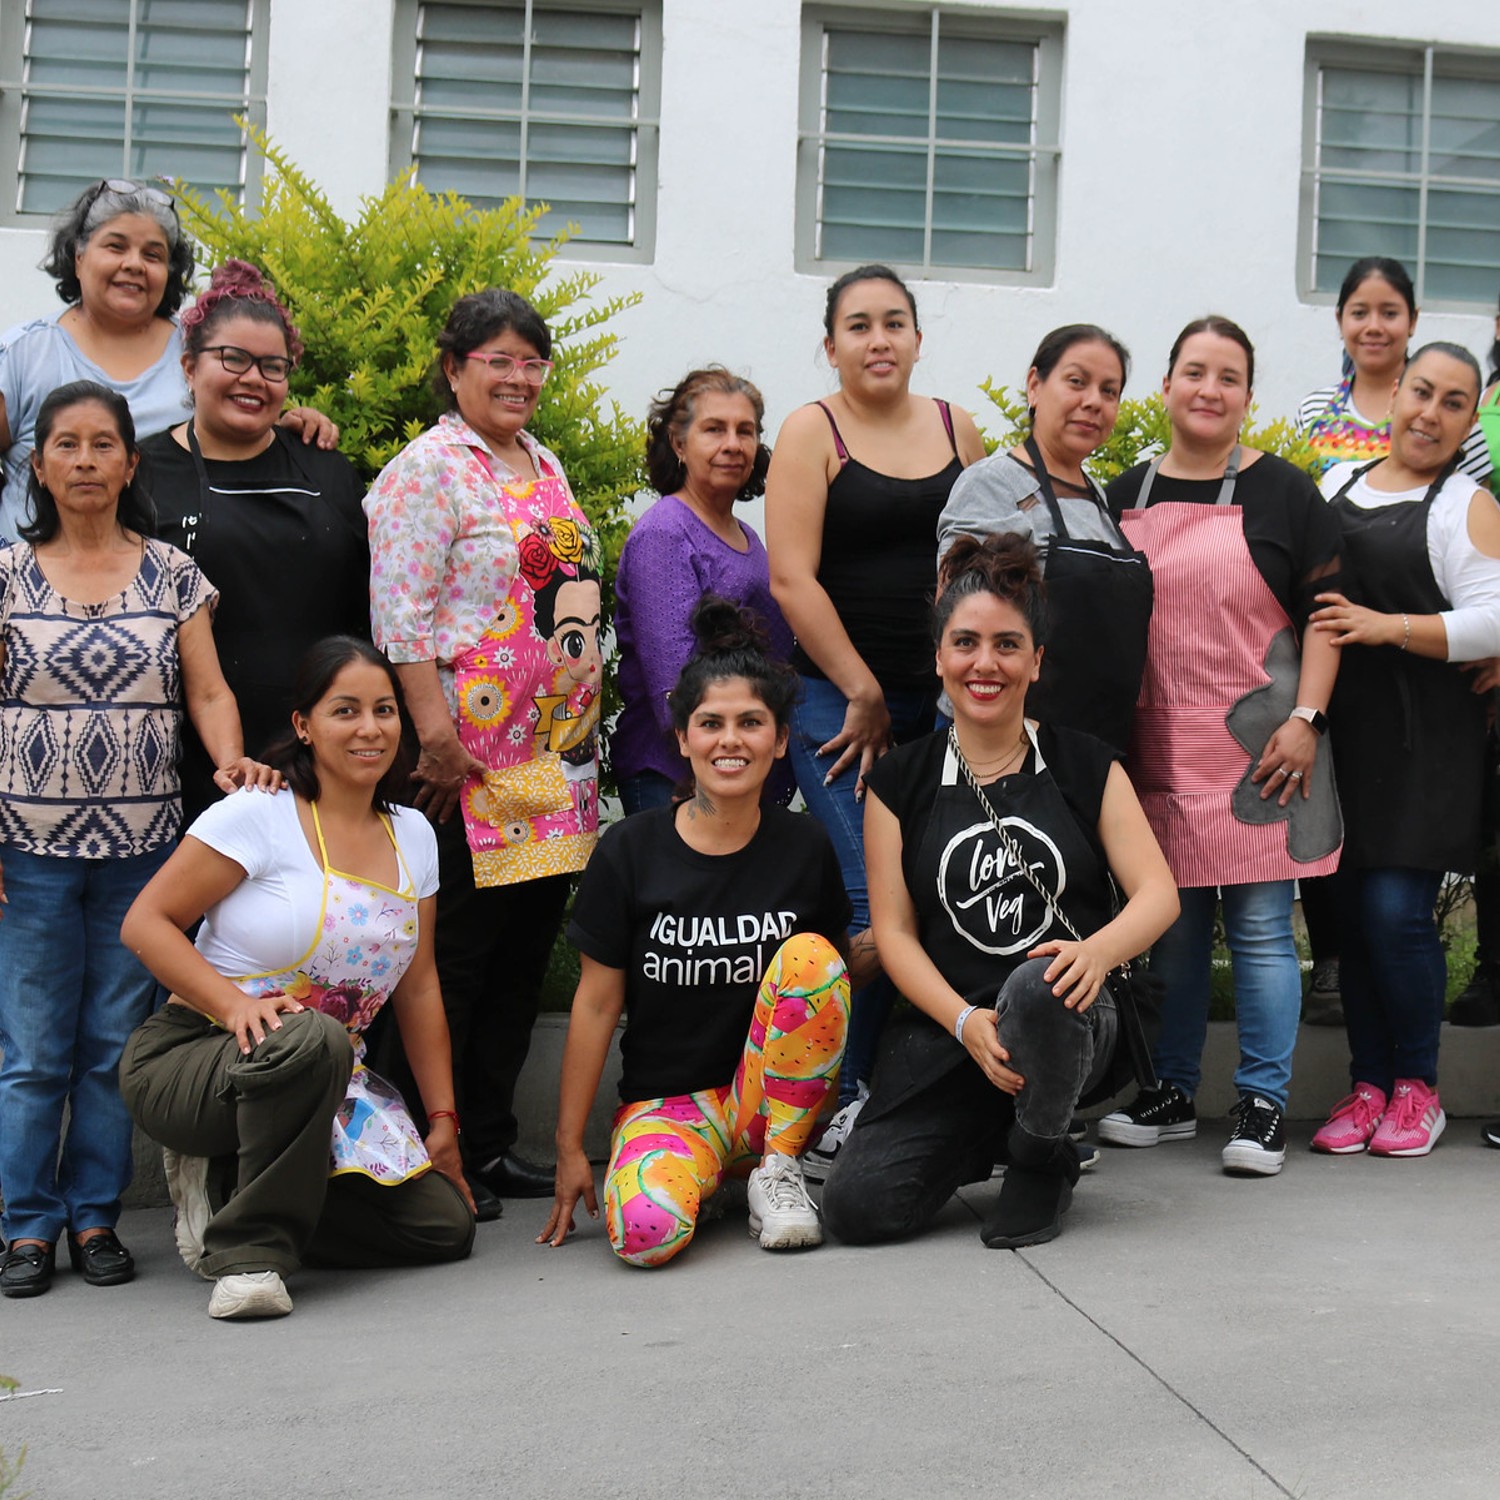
pixel 1406 621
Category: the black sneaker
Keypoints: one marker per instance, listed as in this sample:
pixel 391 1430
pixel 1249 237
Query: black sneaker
pixel 1478 1003
pixel 1324 1005
pixel 1258 1145
pixel 1164 1114
pixel 1490 1134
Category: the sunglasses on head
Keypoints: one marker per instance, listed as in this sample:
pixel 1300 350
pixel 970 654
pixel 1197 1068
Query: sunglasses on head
pixel 126 188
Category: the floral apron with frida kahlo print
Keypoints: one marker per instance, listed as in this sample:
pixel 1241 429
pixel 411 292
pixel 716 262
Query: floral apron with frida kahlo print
pixel 528 694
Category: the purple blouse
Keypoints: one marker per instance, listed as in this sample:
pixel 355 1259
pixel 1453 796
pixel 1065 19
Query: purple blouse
pixel 670 560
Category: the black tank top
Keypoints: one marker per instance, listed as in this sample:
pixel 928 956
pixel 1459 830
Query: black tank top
pixel 878 563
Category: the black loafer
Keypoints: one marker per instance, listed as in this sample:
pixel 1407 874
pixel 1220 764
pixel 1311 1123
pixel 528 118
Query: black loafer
pixel 487 1207
pixel 27 1270
pixel 102 1259
pixel 513 1176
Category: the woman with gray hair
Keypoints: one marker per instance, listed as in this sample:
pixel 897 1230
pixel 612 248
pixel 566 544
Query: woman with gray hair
pixel 122 265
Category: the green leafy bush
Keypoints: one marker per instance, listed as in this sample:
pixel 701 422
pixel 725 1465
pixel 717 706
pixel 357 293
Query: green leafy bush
pixel 370 296
pixel 1142 431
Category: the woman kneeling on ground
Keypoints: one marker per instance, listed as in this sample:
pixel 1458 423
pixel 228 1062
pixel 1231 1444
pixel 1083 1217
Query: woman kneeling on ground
pixel 317 908
pixel 719 925
pixel 991 849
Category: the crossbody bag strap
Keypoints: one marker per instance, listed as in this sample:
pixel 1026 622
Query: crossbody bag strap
pixel 1013 849
pixel 1007 840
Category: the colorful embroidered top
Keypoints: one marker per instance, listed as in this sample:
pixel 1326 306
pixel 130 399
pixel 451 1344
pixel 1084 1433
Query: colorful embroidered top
pixel 90 703
pixel 1338 432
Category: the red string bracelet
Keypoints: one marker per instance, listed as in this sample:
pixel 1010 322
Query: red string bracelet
pixel 445 1114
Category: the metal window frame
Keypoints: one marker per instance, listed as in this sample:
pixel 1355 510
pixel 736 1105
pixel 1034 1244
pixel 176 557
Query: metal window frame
pixel 1413 60
pixel 15 90
pixel 1044 153
pixel 646 124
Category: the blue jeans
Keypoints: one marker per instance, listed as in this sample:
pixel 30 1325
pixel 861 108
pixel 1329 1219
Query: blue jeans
pixel 1392 974
pixel 70 994
pixel 817 716
pixel 1267 985
pixel 643 791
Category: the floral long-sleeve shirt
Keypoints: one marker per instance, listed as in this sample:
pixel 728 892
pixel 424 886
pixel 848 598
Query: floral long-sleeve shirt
pixel 443 556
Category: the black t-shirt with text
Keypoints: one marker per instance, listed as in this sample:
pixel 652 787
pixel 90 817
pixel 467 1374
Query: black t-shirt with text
pixel 694 934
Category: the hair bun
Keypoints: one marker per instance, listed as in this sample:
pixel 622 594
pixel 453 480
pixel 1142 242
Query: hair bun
pixel 238 278
pixel 720 626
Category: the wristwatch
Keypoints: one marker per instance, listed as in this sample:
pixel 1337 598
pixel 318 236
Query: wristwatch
pixel 1313 716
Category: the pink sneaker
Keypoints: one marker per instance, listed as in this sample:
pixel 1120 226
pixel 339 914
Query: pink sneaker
pixel 1352 1122
pixel 1412 1124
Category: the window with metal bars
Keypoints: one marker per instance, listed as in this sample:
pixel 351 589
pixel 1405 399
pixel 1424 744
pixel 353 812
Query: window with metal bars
pixel 928 140
pixel 125 88
pixel 1402 158
pixel 555 103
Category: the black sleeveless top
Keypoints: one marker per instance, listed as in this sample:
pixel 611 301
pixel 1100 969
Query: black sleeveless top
pixel 876 564
pixel 978 915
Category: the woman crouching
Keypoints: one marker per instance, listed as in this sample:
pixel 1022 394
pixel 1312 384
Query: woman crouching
pixel 317 907
pixel 991 853
pixel 718 924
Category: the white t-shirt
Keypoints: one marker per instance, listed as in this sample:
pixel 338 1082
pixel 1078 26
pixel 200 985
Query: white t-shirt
pixel 268 922
pixel 1466 577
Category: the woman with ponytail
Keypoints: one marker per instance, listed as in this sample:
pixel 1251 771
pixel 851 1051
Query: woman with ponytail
pixel 719 925
pixel 994 850
pixel 275 522
pixel 1350 421
pixel 1423 541
pixel 1228 754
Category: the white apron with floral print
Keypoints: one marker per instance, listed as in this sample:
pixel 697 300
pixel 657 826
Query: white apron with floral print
pixel 365 941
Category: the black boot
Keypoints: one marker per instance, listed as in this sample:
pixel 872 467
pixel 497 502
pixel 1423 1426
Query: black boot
pixel 1478 1004
pixel 1037 1190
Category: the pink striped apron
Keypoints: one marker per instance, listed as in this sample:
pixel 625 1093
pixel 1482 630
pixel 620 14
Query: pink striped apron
pixel 1213 621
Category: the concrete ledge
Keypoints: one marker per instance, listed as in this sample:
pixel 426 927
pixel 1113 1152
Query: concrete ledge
pixel 1470 1087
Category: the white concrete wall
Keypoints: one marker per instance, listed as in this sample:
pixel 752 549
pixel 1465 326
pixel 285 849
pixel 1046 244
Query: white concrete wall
pixel 1181 145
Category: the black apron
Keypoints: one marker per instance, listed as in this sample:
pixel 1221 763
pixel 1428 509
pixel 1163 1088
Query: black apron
pixel 1409 732
pixel 1099 600
pixel 978 917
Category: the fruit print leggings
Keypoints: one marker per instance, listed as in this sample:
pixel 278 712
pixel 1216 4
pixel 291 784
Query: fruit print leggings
pixel 668 1155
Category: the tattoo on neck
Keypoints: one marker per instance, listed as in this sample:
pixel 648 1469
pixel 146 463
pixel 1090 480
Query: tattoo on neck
pixel 701 804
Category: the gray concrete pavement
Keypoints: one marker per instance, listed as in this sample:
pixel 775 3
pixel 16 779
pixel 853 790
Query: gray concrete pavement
pixel 1329 1334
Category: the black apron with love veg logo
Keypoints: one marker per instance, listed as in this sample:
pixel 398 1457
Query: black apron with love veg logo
pixel 979 917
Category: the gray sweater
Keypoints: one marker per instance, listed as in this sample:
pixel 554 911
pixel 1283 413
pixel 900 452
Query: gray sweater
pixel 1000 493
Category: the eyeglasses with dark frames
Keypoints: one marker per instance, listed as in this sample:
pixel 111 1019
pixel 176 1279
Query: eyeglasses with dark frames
pixel 275 367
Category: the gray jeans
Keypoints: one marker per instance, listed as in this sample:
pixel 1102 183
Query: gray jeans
pixel 901 1164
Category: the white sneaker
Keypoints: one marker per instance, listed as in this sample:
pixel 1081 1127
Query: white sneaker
pixel 819 1158
pixel 187 1182
pixel 250 1294
pixel 781 1213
